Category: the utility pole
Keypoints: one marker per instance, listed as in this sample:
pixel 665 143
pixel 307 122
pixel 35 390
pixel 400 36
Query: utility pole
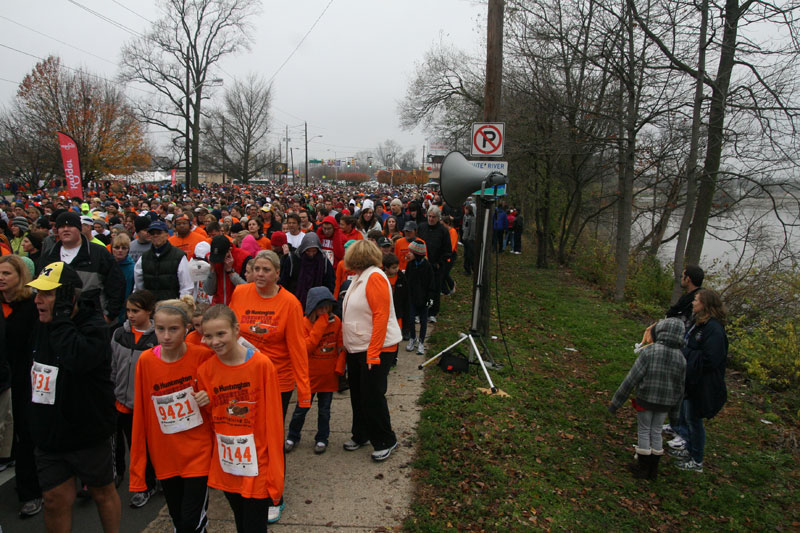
pixel 291 156
pixel 287 155
pixel 491 107
pixel 306 124
pixel 223 150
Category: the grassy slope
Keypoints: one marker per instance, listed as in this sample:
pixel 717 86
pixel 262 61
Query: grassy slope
pixel 551 456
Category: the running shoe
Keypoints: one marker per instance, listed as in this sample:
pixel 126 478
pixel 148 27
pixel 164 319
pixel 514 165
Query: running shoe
pixel 382 455
pixel 274 513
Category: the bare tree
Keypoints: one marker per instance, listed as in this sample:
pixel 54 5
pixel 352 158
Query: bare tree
pixel 236 139
pixel 176 58
pixel 388 153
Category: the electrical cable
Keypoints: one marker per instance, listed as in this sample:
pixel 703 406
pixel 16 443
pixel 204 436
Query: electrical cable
pixel 72 68
pixel 497 298
pixel 298 44
pixel 123 6
pixel 57 40
pixel 106 19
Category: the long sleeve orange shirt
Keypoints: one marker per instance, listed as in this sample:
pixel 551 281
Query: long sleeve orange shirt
pixel 275 326
pixel 326 356
pixel 342 274
pixel 380 302
pixel 186 244
pixel 184 453
pixel 247 419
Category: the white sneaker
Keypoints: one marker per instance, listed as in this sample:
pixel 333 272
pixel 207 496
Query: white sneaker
pixel 382 455
pixel 411 344
pixel 432 319
pixel 690 466
pixel 667 428
pixel 677 443
pixel 420 349
pixel 274 513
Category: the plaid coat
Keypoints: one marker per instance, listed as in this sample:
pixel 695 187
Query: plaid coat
pixel 659 373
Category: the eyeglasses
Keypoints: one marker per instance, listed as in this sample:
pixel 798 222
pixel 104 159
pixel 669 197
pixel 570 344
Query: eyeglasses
pixel 120 247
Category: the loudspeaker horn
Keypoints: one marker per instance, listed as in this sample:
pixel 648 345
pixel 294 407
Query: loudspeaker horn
pixel 459 178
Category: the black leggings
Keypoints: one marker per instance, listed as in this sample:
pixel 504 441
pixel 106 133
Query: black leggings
pixel 187 501
pixel 250 514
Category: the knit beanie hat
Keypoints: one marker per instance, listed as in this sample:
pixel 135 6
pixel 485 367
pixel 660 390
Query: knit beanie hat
pixel 21 223
pixel 36 238
pixel 141 223
pixel 417 247
pixel 278 239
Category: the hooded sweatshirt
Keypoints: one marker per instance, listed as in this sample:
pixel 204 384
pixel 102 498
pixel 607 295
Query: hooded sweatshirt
pixel 326 356
pixel 332 247
pixel 659 372
pixel 308 272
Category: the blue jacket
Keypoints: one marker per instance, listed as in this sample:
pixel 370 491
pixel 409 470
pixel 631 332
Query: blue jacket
pixel 500 220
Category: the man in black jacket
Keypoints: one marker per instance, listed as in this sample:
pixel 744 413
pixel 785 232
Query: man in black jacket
pixel 437 241
pixel 72 402
pixel 163 269
pixel 100 274
pixel 691 282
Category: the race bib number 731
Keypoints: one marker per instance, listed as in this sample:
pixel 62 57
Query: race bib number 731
pixel 43 383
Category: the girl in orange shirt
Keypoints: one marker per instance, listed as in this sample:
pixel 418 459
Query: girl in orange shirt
pixel 242 397
pixel 167 419
pixel 271 318
pixel 196 335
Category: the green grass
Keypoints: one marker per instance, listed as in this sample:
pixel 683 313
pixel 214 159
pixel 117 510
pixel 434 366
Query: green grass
pixel 551 456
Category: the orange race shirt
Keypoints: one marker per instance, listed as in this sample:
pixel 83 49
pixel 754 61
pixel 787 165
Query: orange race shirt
pixel 194 338
pixel 401 249
pixel 275 326
pixel 187 244
pixel 326 356
pixel 161 402
pixel 342 275
pixel 247 419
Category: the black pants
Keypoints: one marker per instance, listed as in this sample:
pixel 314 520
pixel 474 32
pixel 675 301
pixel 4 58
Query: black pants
pixel 371 421
pixel 187 501
pixel 25 467
pixel 439 273
pixel 123 435
pixel 250 514
pixel 469 256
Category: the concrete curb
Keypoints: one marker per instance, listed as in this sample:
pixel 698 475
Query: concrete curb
pixel 340 490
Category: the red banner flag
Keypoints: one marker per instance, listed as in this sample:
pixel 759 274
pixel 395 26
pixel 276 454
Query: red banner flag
pixel 174 173
pixel 72 168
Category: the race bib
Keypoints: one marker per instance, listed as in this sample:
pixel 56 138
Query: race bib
pixel 177 412
pixel 329 255
pixel 237 455
pixel 43 383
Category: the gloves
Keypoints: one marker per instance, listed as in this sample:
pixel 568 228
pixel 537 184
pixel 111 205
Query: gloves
pixel 65 301
pixel 429 304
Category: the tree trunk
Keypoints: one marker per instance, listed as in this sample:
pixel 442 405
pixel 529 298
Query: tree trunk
pixel 691 163
pixel 716 123
pixel 627 147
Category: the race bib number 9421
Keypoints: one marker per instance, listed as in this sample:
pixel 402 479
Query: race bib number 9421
pixel 237 454
pixel 177 412
pixel 43 383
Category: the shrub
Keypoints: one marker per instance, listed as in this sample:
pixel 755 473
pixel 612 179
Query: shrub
pixel 768 351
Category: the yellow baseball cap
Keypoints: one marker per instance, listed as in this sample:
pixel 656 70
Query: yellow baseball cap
pixel 54 275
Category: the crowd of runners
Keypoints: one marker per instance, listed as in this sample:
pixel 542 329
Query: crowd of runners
pixel 177 324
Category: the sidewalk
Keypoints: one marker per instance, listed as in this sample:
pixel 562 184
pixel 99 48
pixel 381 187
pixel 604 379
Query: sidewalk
pixel 339 490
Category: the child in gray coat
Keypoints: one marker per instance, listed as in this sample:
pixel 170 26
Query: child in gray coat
pixel 658 376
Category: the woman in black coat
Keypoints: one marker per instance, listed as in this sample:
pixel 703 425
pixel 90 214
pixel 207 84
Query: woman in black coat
pixel 706 354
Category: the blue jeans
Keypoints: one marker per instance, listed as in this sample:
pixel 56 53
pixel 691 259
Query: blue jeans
pixel 696 441
pixel 323 418
pixel 681 426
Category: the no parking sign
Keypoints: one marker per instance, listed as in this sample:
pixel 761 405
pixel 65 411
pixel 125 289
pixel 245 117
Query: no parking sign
pixel 487 139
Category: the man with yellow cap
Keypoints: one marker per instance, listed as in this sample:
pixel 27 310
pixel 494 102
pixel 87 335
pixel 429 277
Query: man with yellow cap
pixel 72 401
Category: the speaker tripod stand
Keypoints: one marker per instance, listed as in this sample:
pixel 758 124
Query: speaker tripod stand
pixel 493 180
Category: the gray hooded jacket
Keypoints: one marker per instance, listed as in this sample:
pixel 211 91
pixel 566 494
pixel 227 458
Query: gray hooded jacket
pixel 659 373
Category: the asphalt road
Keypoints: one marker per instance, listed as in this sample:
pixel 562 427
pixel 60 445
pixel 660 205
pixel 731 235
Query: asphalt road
pixel 84 518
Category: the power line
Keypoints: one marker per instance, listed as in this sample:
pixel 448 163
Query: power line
pixel 73 69
pixel 9 81
pixel 298 44
pixel 107 19
pixel 57 40
pixel 123 6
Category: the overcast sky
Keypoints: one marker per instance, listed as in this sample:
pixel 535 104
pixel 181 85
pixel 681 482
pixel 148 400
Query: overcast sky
pixel 345 79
